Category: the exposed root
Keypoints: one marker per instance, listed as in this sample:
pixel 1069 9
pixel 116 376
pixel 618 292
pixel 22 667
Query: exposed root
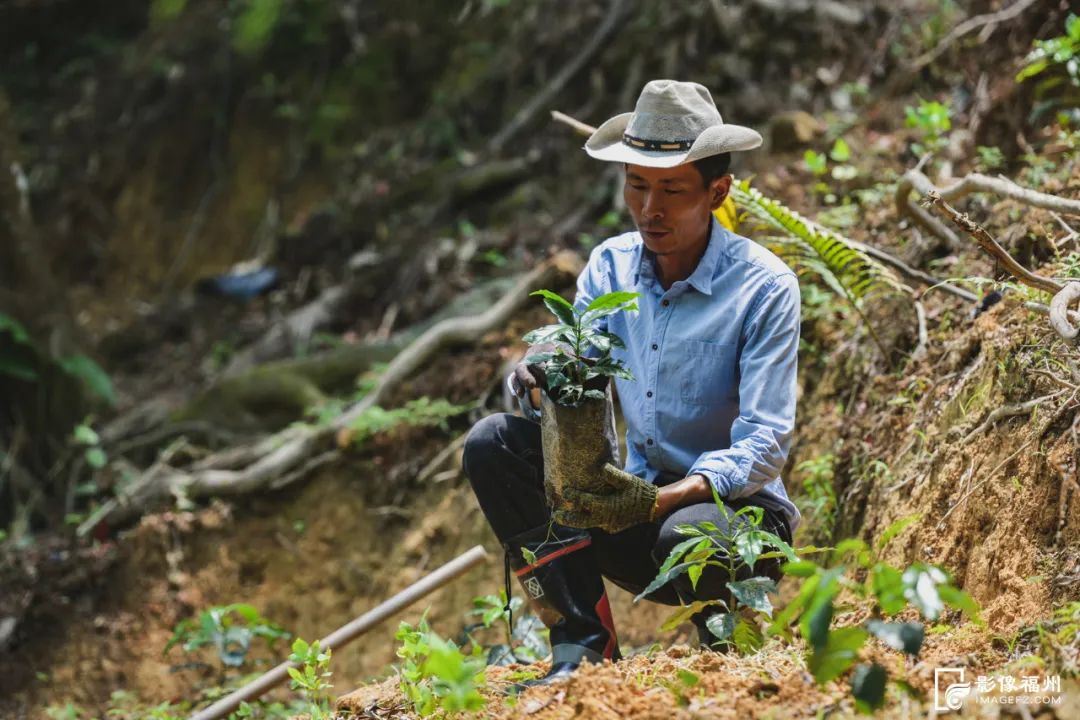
pixel 1007 411
pixel 287 455
pixel 915 180
pixel 1059 308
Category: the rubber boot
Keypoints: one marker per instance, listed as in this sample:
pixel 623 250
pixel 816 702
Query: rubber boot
pixel 566 591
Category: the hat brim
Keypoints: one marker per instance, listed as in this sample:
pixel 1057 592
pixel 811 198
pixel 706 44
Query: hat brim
pixel 607 144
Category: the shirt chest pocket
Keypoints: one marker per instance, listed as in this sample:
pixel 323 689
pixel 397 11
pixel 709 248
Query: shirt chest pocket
pixel 709 376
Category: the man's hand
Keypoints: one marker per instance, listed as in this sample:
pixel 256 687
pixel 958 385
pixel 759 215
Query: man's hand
pixel 630 501
pixel 527 378
pixel 688 491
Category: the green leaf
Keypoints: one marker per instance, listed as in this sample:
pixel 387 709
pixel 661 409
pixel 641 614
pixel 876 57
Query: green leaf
pixel 687 678
pixel 15 329
pixel 255 25
pixel 85 435
pixel 685 612
pixel 695 574
pixel 814 623
pixel 961 601
pixel 91 374
pixel 611 300
pixel 18 367
pixel 888 587
pixel 528 555
pixel 545 334
pixel 95 457
pixel 868 686
pixel 840 151
pixel 721 625
pixel 663 578
pixel 754 593
pixel 799 568
pixel 903 636
pixel 837 654
pixel 896 528
pixel 563 311
pixel 921 589
pixel 749 545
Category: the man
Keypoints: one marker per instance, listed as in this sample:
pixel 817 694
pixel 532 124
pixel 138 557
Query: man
pixel 712 350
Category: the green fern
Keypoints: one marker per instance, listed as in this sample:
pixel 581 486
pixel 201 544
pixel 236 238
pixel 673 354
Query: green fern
pixel 808 247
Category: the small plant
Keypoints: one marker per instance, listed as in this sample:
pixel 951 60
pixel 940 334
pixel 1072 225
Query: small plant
pixel 820 492
pixel 525 641
pixel 435 674
pixel 230 629
pixel 990 157
pixel 570 375
pixel 816 162
pixel 1057 60
pixel 311 677
pixel 1069 265
pixel 834 651
pixel 931 120
pixel 85 437
pixel 708 546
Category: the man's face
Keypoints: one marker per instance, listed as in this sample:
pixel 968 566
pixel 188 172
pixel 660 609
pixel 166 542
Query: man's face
pixel 671 206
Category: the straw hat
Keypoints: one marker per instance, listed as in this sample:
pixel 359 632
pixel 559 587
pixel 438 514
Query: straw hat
pixel 673 123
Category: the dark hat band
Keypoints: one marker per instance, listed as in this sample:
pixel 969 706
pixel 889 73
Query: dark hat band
pixel 662 145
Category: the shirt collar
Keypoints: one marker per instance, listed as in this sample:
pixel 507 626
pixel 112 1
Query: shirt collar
pixel 702 277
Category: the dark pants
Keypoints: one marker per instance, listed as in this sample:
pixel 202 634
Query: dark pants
pixel 504 461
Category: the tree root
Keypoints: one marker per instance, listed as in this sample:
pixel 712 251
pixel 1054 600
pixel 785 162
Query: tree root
pixel 1059 308
pixel 915 180
pixel 1063 294
pixel 287 455
pixel 1007 411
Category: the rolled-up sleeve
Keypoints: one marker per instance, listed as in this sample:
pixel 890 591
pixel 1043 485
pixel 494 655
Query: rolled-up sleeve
pixel 761 433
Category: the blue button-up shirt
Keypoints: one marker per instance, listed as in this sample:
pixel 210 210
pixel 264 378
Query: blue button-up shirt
pixel 714 362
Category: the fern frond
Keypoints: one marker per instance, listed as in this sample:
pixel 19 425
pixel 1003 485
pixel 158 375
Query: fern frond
pixel 841 263
pixel 727 214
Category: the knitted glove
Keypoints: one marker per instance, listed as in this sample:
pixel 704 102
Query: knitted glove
pixel 631 501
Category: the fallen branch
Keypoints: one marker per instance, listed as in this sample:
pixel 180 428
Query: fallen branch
pixel 969 25
pixel 915 180
pixel 617 12
pixel 991 246
pixel 296 330
pixel 262 464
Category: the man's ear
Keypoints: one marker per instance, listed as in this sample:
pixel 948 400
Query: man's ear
pixel 718 191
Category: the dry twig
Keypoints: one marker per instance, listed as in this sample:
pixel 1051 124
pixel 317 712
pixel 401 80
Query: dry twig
pixel 969 25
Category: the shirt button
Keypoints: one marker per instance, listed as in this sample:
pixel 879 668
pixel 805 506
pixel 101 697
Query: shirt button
pixel 649 441
pixel 648 394
pixel 665 303
pixel 654 346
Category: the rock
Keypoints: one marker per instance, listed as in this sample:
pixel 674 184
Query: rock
pixel 793 130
